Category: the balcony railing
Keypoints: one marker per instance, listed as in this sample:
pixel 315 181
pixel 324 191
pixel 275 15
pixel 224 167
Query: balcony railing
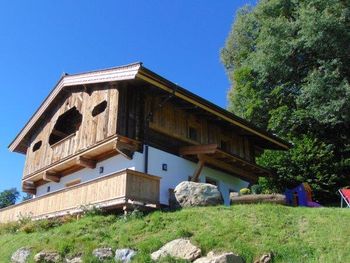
pixel 111 191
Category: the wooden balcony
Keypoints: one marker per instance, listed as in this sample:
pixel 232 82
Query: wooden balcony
pixel 117 190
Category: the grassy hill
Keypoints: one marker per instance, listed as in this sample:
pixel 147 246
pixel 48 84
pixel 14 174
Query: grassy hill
pixel 292 234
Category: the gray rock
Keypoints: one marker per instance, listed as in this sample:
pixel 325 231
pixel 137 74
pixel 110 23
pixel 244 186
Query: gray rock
pixel 21 255
pixel 124 255
pixel 220 258
pixel 266 258
pixel 178 248
pixel 189 194
pixel 47 257
pixel 75 259
pixel 103 253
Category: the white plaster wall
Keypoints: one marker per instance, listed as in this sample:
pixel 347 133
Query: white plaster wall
pixel 178 170
pixel 113 164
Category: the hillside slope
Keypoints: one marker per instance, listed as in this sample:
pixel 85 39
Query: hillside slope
pixel 292 234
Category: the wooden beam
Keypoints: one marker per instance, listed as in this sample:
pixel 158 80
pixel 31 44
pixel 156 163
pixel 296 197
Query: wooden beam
pixel 29 187
pixel 236 171
pixel 199 168
pixel 198 149
pixel 51 177
pixel 87 163
pixel 126 148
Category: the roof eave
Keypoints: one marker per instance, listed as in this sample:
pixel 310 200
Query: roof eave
pixel 164 84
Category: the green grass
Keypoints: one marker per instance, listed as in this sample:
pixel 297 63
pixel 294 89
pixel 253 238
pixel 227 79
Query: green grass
pixel 291 234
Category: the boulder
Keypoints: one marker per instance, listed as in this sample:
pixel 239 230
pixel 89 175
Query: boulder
pixel 189 194
pixel 256 199
pixel 75 259
pixel 124 255
pixel 20 255
pixel 47 257
pixel 266 258
pixel 178 248
pixel 220 258
pixel 103 253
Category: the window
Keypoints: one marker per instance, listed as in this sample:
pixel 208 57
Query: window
pixel 98 109
pixel 37 146
pixel 211 181
pixel 74 182
pixel 67 124
pixel 192 133
pixel 225 145
pixel 48 189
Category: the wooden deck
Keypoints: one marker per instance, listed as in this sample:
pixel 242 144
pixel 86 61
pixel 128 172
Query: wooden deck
pixel 111 191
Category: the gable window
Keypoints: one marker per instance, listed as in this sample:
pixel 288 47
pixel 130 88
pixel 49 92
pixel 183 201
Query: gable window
pixel 225 145
pixel 99 108
pixel 37 146
pixel 67 124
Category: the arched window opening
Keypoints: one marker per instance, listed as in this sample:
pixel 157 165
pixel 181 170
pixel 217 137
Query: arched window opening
pixel 98 109
pixel 67 124
pixel 37 146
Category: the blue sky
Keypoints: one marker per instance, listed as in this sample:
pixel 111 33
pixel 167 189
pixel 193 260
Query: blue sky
pixel 39 40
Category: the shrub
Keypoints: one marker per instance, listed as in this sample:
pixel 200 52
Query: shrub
pixel 244 191
pixel 29 227
pixel 256 189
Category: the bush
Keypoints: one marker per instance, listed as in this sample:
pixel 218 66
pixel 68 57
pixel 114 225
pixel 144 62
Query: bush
pixel 256 189
pixel 244 191
pixel 29 227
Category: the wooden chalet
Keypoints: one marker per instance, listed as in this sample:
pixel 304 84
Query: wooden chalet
pixel 125 135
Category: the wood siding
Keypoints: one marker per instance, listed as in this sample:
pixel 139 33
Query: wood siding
pixel 176 122
pixel 115 189
pixel 91 131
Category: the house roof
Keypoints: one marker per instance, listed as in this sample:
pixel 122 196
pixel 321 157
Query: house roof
pixel 131 72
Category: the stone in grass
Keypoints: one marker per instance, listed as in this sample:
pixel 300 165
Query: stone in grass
pixel 178 248
pixel 103 253
pixel 266 258
pixel 20 255
pixel 74 259
pixel 47 257
pixel 124 255
pixel 220 258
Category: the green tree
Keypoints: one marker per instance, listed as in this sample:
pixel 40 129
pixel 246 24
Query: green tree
pixel 27 197
pixel 288 61
pixel 8 197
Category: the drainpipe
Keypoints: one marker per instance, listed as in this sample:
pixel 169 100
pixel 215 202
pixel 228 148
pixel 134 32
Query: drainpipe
pixel 148 118
pixel 146 148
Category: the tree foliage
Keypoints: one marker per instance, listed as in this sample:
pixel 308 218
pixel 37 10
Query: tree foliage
pixel 8 197
pixel 288 61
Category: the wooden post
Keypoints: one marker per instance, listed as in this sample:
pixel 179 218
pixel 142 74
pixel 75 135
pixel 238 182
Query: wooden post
pixel 200 165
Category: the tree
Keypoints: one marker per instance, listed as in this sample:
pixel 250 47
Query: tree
pixel 8 197
pixel 27 197
pixel 288 64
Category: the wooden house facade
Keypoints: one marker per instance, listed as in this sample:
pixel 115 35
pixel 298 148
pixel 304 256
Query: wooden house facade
pixel 118 136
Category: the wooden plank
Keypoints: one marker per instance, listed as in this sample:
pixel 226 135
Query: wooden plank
pixel 104 190
pixel 198 149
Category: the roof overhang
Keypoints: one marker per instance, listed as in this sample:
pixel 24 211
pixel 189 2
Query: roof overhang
pixel 137 71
